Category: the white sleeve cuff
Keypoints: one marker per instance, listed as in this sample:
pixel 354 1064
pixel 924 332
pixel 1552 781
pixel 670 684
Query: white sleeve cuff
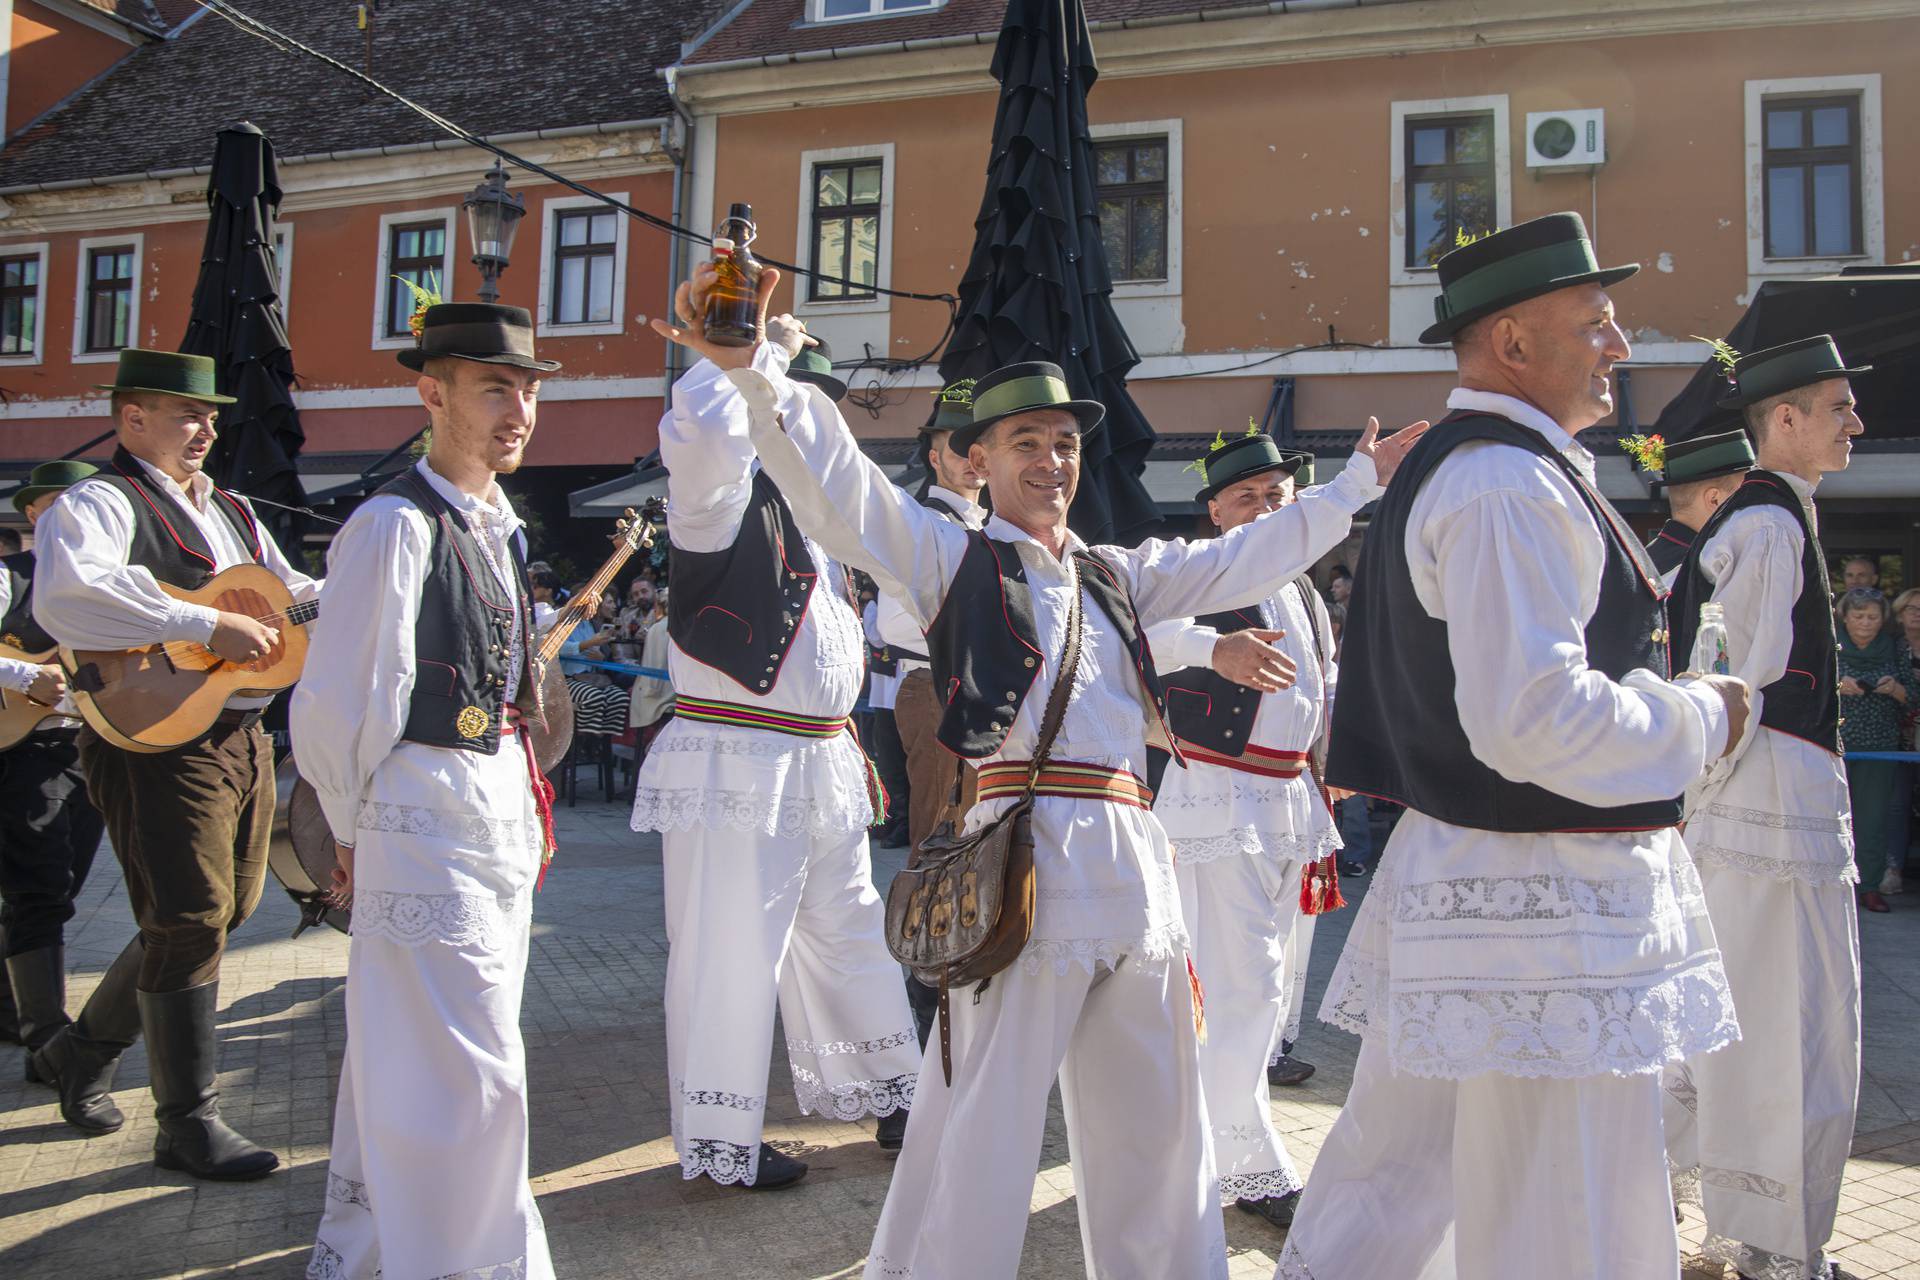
pixel 1713 713
pixel 17 675
pixel 192 622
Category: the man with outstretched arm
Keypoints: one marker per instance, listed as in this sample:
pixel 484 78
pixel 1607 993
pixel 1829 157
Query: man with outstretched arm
pixel 1102 995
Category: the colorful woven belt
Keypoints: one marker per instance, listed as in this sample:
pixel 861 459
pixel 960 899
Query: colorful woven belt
pixel 1260 760
pixel 1065 778
pixel 794 725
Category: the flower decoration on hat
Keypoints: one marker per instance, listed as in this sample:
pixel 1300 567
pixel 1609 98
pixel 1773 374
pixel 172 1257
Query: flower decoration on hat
pixel 1463 237
pixel 423 297
pixel 1199 465
pixel 1649 451
pixel 1724 354
pixel 959 393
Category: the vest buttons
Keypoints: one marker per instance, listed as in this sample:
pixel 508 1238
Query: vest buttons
pixel 1012 696
pixel 1029 662
pixel 769 670
pixel 1229 733
pixel 763 684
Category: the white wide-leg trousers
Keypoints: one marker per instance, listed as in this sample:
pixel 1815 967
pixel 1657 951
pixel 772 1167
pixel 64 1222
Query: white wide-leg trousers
pixel 754 919
pixel 1759 1131
pixel 428 1170
pixel 1488 1178
pixel 1123 1046
pixel 1240 912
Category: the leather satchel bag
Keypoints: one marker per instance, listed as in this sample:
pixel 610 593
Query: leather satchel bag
pixel 962 908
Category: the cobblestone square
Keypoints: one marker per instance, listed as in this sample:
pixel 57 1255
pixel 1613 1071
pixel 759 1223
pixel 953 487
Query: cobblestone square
pixel 609 1186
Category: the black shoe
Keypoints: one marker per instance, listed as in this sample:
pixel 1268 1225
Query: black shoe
pixel 9 1015
pixel 776 1170
pixel 1275 1209
pixel 39 983
pixel 1289 1071
pixel 1353 868
pixel 892 1132
pixel 1834 1272
pixel 80 1058
pixel 180 1058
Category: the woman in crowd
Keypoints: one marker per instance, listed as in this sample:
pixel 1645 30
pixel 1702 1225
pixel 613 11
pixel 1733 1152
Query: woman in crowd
pixel 1906 618
pixel 1876 688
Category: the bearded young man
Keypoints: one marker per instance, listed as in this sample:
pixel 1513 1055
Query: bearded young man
pixel 190 826
pixel 409 724
pixel 1759 1133
pixel 1101 996
pixel 1533 947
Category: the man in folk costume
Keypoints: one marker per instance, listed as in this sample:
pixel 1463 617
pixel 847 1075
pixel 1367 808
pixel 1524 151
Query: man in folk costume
pixel 1102 996
pixel 1760 1132
pixel 1533 947
pixel 1698 475
pixel 190 826
pixel 763 798
pixel 1246 699
pixel 49 829
pixel 408 722
pixel 952 493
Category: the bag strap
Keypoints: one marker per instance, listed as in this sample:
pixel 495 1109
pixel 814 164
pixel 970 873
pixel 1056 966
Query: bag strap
pixel 1063 683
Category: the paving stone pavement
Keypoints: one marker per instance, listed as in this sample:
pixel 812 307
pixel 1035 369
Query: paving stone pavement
pixel 603 1166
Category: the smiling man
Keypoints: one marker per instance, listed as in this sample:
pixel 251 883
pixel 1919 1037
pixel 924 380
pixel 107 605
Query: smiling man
pixel 190 826
pixel 1770 828
pixel 1533 948
pixel 1100 996
pixel 409 727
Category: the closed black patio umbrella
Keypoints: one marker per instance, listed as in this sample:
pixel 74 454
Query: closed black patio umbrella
pixel 1036 286
pixel 238 320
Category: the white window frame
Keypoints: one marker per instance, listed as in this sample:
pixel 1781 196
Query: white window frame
pixel 1176 204
pixel 1403 114
pixel 86 247
pixel 545 326
pixel 448 216
pixel 816 12
pixel 283 259
pixel 39 249
pixel 1873 222
pixel 880 303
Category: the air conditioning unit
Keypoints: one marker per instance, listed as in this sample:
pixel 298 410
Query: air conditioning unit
pixel 1566 139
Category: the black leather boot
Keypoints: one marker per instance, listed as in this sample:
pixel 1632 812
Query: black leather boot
pixel 9 1015
pixel 180 1058
pixel 79 1060
pixel 39 983
pixel 891 1134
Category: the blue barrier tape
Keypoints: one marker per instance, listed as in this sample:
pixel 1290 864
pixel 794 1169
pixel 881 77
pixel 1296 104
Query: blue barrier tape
pixel 1911 757
pixel 625 668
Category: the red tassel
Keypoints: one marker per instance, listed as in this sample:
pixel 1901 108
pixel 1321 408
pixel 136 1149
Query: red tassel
pixel 1320 888
pixel 1199 999
pixel 543 804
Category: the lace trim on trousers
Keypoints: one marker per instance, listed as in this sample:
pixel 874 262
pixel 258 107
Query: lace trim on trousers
pixel 327 1264
pixel 877 1265
pixel 1149 954
pixel 458 919
pixel 851 1101
pixel 1250 842
pixel 666 809
pixel 1292 1266
pixel 719 1098
pixel 461 826
pixel 831 1047
pixel 1259 1186
pixel 347 1191
pixel 1714 855
pixel 724 1162
pixel 1563 1034
pixel 1761 1265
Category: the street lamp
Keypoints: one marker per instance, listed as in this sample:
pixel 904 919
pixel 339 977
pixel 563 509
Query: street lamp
pixel 493 212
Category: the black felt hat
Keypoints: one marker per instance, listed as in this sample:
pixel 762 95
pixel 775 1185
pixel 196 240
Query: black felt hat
pixel 1252 454
pixel 1788 367
pixel 51 477
pixel 815 364
pixel 485 332
pixel 1023 388
pixel 1704 457
pixel 1511 266
pixel 952 407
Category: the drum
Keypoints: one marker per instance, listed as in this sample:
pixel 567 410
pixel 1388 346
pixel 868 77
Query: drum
pixel 550 744
pixel 301 852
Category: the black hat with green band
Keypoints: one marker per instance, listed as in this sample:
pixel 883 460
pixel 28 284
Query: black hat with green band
pixel 1023 388
pixel 50 477
pixel 1511 266
pixel 1704 457
pixel 952 407
pixel 167 373
pixel 815 364
pixel 1788 367
pixel 1253 454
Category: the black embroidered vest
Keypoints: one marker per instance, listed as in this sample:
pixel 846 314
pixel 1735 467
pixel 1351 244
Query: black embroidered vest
pixel 1396 727
pixel 897 653
pixel 1668 548
pixel 1805 702
pixel 738 610
pixel 18 627
pixel 165 542
pixel 986 658
pixel 1209 710
pixel 463 638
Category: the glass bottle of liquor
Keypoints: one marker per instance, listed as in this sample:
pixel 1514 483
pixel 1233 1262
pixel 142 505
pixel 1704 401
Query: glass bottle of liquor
pixel 732 302
pixel 1710 641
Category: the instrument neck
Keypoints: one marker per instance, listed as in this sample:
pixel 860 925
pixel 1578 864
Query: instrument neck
pixel 574 612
